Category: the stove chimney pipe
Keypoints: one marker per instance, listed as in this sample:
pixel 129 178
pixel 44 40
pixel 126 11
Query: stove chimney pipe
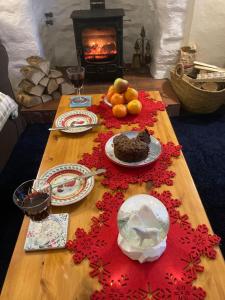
pixel 97 4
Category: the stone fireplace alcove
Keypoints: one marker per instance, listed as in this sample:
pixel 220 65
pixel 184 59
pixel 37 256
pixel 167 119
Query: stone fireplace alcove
pixel 168 24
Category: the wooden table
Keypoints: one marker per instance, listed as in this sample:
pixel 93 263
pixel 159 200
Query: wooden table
pixel 52 274
pixel 45 112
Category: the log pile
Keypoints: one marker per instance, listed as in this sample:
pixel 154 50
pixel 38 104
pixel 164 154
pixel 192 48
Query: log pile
pixel 41 83
pixel 208 77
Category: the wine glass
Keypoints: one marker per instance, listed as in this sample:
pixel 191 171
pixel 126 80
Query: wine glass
pixel 33 197
pixel 76 76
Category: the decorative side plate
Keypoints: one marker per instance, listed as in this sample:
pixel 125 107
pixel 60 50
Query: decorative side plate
pixel 155 149
pixel 72 191
pixel 78 117
pixel 51 233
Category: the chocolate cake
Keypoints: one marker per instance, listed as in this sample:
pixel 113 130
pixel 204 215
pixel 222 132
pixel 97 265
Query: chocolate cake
pixel 132 150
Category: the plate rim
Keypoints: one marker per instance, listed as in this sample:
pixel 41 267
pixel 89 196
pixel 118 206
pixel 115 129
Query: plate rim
pixel 75 111
pixel 127 164
pixel 69 202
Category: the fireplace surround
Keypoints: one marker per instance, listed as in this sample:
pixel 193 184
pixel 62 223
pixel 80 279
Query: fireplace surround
pixel 99 40
pixel 168 25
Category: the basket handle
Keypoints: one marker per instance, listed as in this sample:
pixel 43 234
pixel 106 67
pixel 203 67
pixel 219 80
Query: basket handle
pixel 179 70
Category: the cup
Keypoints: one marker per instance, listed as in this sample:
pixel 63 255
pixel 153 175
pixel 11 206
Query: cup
pixel 33 197
pixel 76 76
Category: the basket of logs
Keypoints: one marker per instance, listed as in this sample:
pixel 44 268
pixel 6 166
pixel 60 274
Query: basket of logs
pixel 198 95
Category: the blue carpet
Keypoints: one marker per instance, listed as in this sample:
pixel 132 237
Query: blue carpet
pixel 203 140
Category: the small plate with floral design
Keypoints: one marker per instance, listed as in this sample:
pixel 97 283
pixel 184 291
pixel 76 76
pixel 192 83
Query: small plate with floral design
pixel 73 190
pixel 76 117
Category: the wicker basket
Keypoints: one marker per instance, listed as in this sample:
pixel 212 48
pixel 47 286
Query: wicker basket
pixel 194 99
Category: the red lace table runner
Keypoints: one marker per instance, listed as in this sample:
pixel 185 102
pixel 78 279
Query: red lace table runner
pixel 147 117
pixel 172 275
pixel 169 277
pixel 120 177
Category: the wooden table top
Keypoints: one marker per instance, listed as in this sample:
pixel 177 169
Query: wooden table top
pixel 52 274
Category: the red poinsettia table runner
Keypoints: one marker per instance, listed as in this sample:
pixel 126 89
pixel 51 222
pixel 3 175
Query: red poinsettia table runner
pixel 147 116
pixel 170 277
pixel 53 274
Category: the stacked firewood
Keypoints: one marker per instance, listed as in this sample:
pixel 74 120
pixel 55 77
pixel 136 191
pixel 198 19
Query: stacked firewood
pixel 41 84
pixel 208 77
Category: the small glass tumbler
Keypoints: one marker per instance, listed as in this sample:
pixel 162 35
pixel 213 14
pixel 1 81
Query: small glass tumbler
pixel 33 197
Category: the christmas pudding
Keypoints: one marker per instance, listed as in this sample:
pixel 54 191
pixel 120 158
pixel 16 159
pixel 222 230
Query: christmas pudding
pixel 132 150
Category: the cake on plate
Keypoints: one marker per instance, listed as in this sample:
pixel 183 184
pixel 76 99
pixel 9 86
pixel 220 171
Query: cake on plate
pixel 132 150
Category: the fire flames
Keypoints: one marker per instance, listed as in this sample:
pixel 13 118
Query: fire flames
pixel 99 45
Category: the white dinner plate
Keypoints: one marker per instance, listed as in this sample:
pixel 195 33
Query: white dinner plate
pixel 155 149
pixel 78 117
pixel 72 191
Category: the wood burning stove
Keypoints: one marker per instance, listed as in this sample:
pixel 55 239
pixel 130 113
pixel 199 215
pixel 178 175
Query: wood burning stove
pixel 99 40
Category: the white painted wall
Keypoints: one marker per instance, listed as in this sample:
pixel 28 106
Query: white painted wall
pixel 19 34
pixel 137 14
pixel 207 31
pixel 58 40
pixel 169 25
pixel 24 32
pixel 163 22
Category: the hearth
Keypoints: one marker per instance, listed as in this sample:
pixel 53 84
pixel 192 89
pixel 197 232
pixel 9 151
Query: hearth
pixel 99 40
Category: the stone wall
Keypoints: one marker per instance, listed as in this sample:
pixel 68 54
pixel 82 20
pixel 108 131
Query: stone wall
pixel 61 47
pixel 169 24
pixel 207 31
pixel 24 32
pixel 19 34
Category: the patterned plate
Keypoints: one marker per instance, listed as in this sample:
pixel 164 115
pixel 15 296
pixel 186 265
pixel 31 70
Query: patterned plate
pixel 154 151
pixel 107 102
pixel 73 191
pixel 78 117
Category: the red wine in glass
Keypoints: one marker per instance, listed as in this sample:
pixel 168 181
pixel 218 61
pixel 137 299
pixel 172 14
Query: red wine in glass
pixel 77 80
pixel 76 76
pixel 33 197
pixel 35 205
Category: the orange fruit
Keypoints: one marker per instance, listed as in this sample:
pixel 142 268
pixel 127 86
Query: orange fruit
pixel 110 92
pixel 119 110
pixel 117 99
pixel 134 107
pixel 111 88
pixel 130 94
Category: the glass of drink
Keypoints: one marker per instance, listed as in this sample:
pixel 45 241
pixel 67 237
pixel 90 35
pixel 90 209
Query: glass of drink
pixel 33 197
pixel 76 76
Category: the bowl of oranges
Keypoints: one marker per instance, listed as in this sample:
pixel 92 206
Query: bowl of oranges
pixel 123 99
